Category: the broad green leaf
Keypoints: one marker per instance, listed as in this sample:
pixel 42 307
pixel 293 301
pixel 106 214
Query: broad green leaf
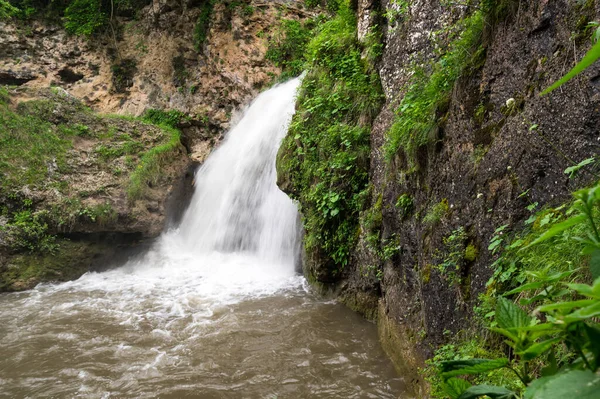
pixel 538 349
pixel 489 391
pixel 509 315
pixel 566 305
pixel 526 287
pixel 573 384
pixel 471 366
pixel 584 289
pixel 509 334
pixel 595 263
pixel 587 60
pixel 454 387
pixel 584 313
pixel 558 228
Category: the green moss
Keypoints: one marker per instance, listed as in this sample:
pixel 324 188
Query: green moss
pixel 372 222
pixel 203 23
pixel 68 262
pixel 436 212
pixel 288 45
pixel 404 205
pixel 28 145
pixel 149 169
pixel 471 253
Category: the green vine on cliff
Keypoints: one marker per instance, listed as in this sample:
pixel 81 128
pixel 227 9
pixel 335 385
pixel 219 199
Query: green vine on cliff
pixel 424 104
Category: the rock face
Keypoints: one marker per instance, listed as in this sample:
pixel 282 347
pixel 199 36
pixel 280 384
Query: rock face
pixel 84 185
pixel 155 62
pixel 499 147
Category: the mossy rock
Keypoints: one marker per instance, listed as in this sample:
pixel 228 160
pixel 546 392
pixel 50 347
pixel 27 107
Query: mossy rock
pixel 71 260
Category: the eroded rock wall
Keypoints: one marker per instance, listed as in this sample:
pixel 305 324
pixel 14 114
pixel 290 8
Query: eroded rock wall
pixel 499 148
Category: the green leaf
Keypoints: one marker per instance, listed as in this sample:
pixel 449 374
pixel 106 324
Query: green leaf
pixel 509 315
pixel 538 349
pixel 454 387
pixel 509 334
pixel 595 264
pixel 574 169
pixel 584 289
pixel 526 287
pixel 585 313
pixel 566 305
pixel 558 228
pixel 471 366
pixel 488 390
pixel 587 60
pixel 575 384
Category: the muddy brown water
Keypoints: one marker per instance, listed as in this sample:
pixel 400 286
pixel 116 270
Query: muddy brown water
pixel 73 340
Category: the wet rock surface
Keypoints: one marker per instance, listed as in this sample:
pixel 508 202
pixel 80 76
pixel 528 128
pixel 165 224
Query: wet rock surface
pixel 487 163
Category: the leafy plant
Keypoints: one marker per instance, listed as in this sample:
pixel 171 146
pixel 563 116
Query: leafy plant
pixel 288 45
pixel 428 93
pixel 324 157
pixel 565 316
pixel 84 17
pixel 7 10
pixel 590 57
pixel 203 23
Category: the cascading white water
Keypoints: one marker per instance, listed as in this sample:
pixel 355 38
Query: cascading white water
pixel 239 235
pixel 213 310
pixel 237 206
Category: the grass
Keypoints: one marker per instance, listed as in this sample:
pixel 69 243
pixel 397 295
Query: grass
pixel 429 91
pixel 29 147
pixel 149 169
pixel 38 151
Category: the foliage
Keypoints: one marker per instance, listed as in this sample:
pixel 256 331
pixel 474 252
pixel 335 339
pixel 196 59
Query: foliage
pixel 28 146
pixel 455 246
pixel 84 17
pixel 170 118
pixel 396 10
pixel 325 154
pixel 556 336
pixel 404 205
pixel 29 232
pixel 203 24
pixel 151 163
pixel 436 212
pixel 429 92
pixel 36 155
pixel 287 47
pixel 7 10
pixel 452 354
pixel 590 57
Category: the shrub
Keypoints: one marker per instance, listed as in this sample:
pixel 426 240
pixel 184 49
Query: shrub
pixel 85 17
pixel 326 152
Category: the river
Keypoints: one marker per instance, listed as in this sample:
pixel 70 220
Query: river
pixel 215 309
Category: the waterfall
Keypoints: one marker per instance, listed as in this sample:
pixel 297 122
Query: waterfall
pixel 236 206
pixel 239 235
